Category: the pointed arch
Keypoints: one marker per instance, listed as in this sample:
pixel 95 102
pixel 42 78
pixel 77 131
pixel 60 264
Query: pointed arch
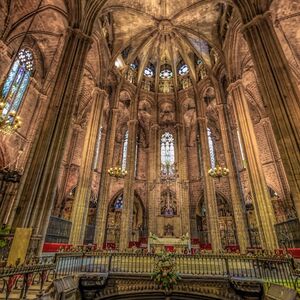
pixel 167 153
pixel 17 81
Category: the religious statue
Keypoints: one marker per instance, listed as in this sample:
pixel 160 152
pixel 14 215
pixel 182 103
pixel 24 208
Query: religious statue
pixel 167 113
pixel 169 230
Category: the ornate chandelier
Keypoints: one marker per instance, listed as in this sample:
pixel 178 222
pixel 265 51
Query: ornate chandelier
pixel 218 171
pixel 117 172
pixel 10 122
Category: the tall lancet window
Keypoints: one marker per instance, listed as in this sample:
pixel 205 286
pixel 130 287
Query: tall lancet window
pixel 124 152
pixel 17 81
pixel 97 149
pixel 211 148
pixel 136 156
pixel 241 148
pixel 167 154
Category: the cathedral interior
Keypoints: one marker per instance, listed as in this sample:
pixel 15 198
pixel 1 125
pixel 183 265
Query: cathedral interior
pixel 146 127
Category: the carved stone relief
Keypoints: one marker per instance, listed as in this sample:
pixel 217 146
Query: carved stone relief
pixel 167 113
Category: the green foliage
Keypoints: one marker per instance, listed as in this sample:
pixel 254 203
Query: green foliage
pixel 4 231
pixel 164 273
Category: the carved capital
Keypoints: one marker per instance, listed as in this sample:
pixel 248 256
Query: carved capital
pixel 133 122
pixel 178 125
pixel 79 34
pixel 256 20
pixel 201 119
pixel 220 107
pixel 154 127
pixel 98 92
pixel 234 85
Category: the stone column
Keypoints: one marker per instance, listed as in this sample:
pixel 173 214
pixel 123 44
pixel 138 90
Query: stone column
pixel 83 192
pixel 209 189
pixel 236 199
pixel 289 204
pixel 261 198
pixel 105 181
pixel 183 180
pixel 127 210
pixel 153 177
pixel 37 190
pixel 279 90
pixel 66 166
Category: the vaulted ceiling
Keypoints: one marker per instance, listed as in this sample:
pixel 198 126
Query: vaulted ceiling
pixel 161 32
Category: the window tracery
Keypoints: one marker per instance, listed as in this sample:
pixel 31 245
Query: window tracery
pixel 168 203
pixel 211 148
pixel 17 80
pixel 149 71
pixel 241 148
pixel 119 202
pixel 183 70
pixel 97 149
pixel 167 154
pixel 166 74
pixel 124 152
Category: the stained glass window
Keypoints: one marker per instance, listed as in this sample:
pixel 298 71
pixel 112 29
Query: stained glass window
pixel 97 149
pixel 136 156
pixel 211 148
pixel 183 70
pixel 17 80
pixel 241 149
pixel 148 72
pixel 124 152
pixel 167 154
pixel 166 74
pixel 199 62
pixel 119 202
pixel 133 66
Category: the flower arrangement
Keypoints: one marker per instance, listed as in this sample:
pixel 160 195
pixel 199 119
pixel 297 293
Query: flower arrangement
pixel 164 273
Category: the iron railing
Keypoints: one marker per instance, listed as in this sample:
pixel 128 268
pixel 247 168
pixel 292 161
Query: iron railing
pixel 20 278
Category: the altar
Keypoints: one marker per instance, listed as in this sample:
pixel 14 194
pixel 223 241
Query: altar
pixel 160 244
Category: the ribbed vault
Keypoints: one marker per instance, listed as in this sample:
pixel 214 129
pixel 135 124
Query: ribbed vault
pixel 163 35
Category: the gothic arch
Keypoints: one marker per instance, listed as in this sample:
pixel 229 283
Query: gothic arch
pixel 113 224
pixel 226 221
pixel 67 204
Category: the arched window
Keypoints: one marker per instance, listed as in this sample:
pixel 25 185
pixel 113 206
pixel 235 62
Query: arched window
pixel 17 80
pixel 97 149
pixel 119 202
pixel 136 156
pixel 124 152
pixel 211 148
pixel 167 154
pixel 241 148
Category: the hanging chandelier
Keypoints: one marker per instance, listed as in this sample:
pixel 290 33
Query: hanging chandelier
pixel 117 172
pixel 10 122
pixel 218 171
